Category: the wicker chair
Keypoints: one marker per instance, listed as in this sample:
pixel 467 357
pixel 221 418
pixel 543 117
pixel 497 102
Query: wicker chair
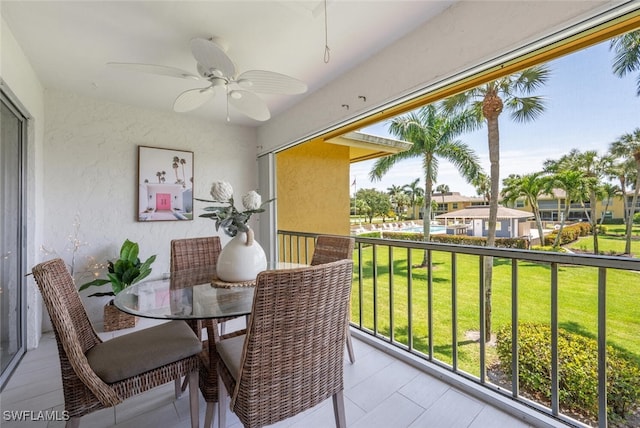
pixel 190 253
pixel 329 249
pixel 97 374
pixel 292 356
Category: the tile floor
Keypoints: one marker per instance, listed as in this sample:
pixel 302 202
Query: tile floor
pixel 380 391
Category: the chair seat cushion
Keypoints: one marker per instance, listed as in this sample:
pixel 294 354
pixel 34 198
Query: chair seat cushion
pixel 132 354
pixel 230 351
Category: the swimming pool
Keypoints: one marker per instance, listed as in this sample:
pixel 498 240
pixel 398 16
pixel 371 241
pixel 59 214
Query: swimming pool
pixel 434 230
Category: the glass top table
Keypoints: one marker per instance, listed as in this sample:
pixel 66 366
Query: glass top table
pixel 189 295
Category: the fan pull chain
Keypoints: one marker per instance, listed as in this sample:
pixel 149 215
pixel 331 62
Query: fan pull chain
pixel 227 88
pixel 327 51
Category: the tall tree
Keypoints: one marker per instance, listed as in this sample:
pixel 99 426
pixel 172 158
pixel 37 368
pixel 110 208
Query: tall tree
pixel 628 147
pixel 576 186
pixel 375 203
pixel 609 191
pixel 487 101
pixel 592 165
pixel 415 192
pixel 529 187
pixel 627 55
pixel 433 135
pixel 443 189
pixel 624 171
pixel 482 183
pixel 394 192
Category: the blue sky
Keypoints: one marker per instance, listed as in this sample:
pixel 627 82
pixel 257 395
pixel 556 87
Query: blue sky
pixel 587 107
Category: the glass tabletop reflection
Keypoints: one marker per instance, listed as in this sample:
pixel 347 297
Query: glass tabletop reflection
pixel 189 295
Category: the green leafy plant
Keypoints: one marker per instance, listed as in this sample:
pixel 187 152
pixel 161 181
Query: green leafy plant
pixel 578 369
pixel 127 270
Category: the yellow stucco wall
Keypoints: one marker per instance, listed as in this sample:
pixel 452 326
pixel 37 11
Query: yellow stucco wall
pixel 312 182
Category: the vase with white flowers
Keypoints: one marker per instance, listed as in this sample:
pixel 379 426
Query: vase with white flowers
pixel 242 258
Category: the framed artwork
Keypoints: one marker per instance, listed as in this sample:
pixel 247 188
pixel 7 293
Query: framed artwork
pixel 165 184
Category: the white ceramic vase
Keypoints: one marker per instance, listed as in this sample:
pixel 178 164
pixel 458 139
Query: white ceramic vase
pixel 241 259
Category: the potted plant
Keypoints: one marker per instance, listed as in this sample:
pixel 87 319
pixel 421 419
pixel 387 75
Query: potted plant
pixel 127 270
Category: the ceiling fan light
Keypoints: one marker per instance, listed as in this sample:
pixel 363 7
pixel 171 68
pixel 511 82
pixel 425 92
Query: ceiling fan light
pixel 245 83
pixel 235 95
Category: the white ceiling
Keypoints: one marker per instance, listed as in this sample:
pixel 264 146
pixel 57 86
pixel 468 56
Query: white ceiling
pixel 69 42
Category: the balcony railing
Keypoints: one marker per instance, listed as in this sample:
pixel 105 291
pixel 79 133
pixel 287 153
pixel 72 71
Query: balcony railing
pixel 431 312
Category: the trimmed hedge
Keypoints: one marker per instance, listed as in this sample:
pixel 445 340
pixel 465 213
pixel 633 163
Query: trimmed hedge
pixel 570 233
pixel 578 369
pixel 456 239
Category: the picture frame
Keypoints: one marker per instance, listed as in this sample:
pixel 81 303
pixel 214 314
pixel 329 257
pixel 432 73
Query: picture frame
pixel 165 184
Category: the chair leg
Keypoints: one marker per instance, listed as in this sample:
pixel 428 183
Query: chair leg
pixel 73 423
pixel 193 399
pixel 179 387
pixel 222 403
pixel 209 414
pixel 352 355
pixel 338 410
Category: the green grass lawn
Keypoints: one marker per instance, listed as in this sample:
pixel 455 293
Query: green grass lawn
pixel 613 242
pixel 577 302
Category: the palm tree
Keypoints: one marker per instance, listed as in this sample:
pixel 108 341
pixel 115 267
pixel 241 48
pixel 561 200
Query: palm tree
pixel 414 191
pixel 576 186
pixel 395 191
pixel 623 170
pixel 609 191
pixel 628 147
pixel 528 186
pixel 174 165
pixel 627 55
pixel 487 101
pixel 433 136
pixel 183 162
pixel 443 188
pixel 594 166
pixel 482 183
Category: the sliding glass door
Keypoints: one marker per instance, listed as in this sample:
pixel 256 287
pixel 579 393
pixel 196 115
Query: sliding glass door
pixel 12 282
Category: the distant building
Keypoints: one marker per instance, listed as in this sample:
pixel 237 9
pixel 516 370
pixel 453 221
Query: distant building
pixel 552 207
pixel 511 222
pixel 452 201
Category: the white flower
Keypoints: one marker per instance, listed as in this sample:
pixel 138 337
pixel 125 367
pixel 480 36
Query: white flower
pixel 225 213
pixel 252 200
pixel 221 191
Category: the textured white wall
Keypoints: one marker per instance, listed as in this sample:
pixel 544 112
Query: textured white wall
pixel 90 171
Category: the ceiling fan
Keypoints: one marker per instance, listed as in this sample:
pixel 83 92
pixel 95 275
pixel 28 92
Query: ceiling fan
pixel 218 70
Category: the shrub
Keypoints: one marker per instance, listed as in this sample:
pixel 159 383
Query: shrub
pixel 578 369
pixel 636 218
pixel 457 239
pixel 613 221
pixel 548 248
pixel 570 233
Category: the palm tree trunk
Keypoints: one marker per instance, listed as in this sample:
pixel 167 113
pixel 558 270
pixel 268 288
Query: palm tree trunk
pixel 594 221
pixel 567 208
pixel 494 158
pixel 632 210
pixel 536 214
pixel 426 219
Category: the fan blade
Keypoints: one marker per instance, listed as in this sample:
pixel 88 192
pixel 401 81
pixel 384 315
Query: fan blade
pixel 154 69
pixel 250 104
pixel 192 99
pixel 269 82
pixel 211 56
